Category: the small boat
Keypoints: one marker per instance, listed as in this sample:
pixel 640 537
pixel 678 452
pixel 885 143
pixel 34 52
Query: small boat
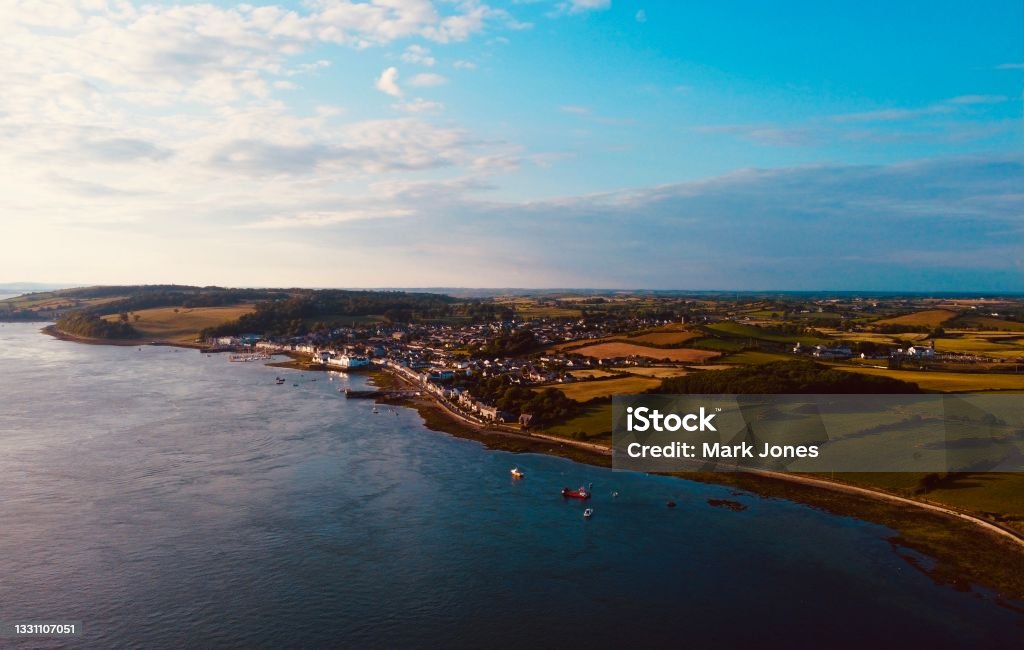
pixel 671 504
pixel 615 494
pixel 581 493
pixel 517 473
pixel 588 513
pixel 375 410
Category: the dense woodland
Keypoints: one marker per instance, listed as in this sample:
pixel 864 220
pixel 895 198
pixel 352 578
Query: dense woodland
pixel 507 344
pixel 94 327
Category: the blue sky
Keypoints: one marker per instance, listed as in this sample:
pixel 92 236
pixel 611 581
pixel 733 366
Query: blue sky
pixel 712 145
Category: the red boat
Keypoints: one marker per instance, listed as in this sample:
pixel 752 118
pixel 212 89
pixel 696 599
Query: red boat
pixel 581 493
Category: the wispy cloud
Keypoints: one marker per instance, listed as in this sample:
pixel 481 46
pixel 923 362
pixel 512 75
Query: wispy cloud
pixel 427 79
pixel 419 55
pixel 387 82
pixel 582 6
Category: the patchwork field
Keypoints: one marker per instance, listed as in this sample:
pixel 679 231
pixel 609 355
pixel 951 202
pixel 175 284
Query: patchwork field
pixel 585 391
pixel 180 324
pixel 611 350
pixel 926 318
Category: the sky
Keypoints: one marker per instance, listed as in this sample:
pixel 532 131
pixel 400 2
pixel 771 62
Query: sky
pixel 533 143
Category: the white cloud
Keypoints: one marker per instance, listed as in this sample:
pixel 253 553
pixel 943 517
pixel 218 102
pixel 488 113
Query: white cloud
pixel 419 55
pixel 641 16
pixel 464 65
pixel 427 79
pixel 419 105
pixel 387 82
pixel 1010 66
pixel 320 219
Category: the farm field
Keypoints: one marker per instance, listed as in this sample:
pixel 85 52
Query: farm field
pixel 979 346
pixel 659 372
pixel 988 322
pixel 164 323
pixel 739 330
pixel 665 338
pixel 756 358
pixel 568 345
pixel 926 318
pixel 594 422
pixel 947 382
pixel 591 374
pixel 610 350
pixel 585 391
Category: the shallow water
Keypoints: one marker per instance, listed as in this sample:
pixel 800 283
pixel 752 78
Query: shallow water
pixel 164 497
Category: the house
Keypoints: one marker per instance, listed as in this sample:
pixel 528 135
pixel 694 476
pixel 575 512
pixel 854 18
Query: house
pixel 922 351
pixel 838 352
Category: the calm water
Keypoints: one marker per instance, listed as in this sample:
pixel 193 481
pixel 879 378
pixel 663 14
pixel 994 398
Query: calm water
pixel 163 497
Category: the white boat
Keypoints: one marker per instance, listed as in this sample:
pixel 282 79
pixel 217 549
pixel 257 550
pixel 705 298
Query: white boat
pixel 588 513
pixel 517 473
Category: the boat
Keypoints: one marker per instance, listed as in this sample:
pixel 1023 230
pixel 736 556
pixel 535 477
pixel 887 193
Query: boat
pixel 581 493
pixel 588 513
pixel 517 473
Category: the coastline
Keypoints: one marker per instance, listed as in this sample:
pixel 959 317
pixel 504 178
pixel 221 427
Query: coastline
pixel 962 556
pixel 56 333
pixel 966 549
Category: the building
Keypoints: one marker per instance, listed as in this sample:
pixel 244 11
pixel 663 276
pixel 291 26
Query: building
pixel 348 362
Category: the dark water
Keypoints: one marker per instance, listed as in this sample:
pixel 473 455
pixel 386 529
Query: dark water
pixel 166 498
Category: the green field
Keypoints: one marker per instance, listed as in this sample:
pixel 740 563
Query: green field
pixel 741 331
pixel 947 382
pixel 180 324
pixel 987 322
pixel 594 423
pixel 979 346
pixel 926 318
pixel 585 391
pixel 755 358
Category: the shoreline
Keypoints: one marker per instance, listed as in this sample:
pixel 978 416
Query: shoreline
pixel 945 534
pixel 52 330
pixel 951 537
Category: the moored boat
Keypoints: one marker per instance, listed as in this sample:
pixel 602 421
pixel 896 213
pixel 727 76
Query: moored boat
pixel 581 493
pixel 588 513
pixel 517 473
